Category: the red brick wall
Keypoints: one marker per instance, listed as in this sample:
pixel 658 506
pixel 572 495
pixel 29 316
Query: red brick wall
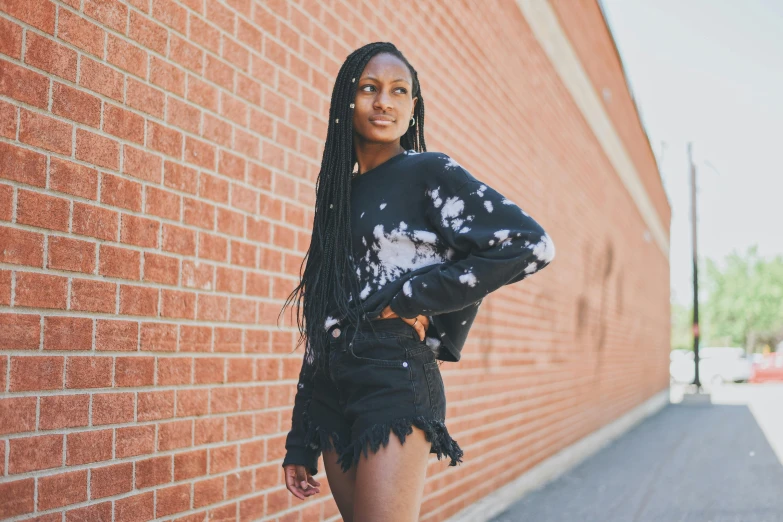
pixel 157 164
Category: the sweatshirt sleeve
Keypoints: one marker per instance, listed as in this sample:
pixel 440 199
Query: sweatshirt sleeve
pixel 297 452
pixel 495 243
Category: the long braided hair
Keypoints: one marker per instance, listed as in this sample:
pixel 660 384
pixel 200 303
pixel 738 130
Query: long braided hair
pixel 329 284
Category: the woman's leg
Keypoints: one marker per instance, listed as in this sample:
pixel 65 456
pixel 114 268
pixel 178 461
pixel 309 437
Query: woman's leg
pixel 341 483
pixel 390 482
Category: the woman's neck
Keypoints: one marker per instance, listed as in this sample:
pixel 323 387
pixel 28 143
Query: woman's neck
pixel 370 156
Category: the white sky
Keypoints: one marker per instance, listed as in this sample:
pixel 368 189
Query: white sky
pixel 710 72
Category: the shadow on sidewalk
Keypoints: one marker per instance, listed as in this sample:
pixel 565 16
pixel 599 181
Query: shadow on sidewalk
pixel 694 463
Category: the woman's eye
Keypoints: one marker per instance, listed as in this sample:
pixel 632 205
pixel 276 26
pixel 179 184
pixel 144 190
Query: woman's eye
pixel 365 87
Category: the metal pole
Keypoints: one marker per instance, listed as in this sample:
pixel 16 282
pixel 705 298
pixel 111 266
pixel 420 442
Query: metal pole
pixel 696 333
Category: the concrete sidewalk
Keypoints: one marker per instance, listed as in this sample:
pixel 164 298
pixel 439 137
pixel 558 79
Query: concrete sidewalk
pixel 695 461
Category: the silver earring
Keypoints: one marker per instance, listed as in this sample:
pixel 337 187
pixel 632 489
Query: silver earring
pixel 413 122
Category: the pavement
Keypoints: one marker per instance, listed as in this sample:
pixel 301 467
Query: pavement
pixel 707 458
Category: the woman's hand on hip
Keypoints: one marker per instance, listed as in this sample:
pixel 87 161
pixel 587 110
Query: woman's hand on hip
pixel 419 323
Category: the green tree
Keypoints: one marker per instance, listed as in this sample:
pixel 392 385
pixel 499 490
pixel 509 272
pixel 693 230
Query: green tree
pixel 744 300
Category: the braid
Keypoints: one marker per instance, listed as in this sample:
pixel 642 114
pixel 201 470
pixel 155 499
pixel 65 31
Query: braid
pixel 328 272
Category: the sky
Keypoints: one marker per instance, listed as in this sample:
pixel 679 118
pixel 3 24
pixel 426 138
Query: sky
pixel 710 72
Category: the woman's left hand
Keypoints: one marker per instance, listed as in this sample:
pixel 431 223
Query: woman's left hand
pixel 419 323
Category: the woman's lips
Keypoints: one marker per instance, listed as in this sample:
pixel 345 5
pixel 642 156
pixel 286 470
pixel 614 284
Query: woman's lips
pixel 382 123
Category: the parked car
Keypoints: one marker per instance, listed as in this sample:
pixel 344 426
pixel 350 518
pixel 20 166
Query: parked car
pixel 768 368
pixel 717 365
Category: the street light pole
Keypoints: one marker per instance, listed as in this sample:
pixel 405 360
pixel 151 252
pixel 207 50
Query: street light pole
pixel 696 333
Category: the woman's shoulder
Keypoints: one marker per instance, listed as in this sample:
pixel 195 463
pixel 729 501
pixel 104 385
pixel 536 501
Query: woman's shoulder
pixel 440 169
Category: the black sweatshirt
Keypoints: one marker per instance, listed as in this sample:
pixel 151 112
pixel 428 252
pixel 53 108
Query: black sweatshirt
pixel 429 239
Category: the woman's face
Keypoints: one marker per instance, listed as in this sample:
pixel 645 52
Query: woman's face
pixel 383 104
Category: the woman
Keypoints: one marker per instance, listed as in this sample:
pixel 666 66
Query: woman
pixel 405 245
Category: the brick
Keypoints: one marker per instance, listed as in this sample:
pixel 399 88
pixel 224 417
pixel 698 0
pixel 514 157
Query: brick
pixel 80 32
pixel 139 231
pixel 135 440
pixel 162 203
pixel 170 14
pixel 35 453
pixel 185 53
pixel 208 370
pixel 17 415
pixel 91 513
pixel 224 400
pixel 20 331
pixel 239 484
pixel 101 79
pixel 155 405
pixel 88 446
pixel 230 222
pixel 192 402
pixel 112 13
pixel 217 130
pixel 123 123
pixel 167 76
pixel 8 119
pixel 112 408
pixel 158 337
pixel 6 199
pixel 88 372
pixel 138 300
pixel 121 336
pixel 62 490
pixel 174 371
pixel 202 94
pixel 5 287
pixel 128 57
pixel 209 491
pixel 180 177
pixel 209 430
pixel 172 500
pixel 240 427
pixel 76 105
pixel 190 464
pixel 93 296
pixel 137 508
pixel 198 275
pixel 41 210
pixel 183 115
pixel 164 140
pixel 71 254
pixel 120 192
pixel 21 247
pixel 212 307
pixel 64 411
pixel 111 480
pixel 100 223
pixel 67 333
pixel 222 459
pixel 41 290
pixel 45 132
pixel 134 371
pixel 17 497
pixel 141 164
pixel 239 370
pixel 119 262
pixel 153 471
pixel 50 56
pixel 148 33
pixel 10 39
pixel 36 373
pixel 23 85
pixel 200 153
pixel 176 304
pixel 179 240
pixel 97 150
pixel 161 269
pixel 213 247
pixel 174 435
pixel 199 214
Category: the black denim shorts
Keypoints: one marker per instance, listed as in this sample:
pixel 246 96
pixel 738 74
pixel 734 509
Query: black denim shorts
pixel 378 383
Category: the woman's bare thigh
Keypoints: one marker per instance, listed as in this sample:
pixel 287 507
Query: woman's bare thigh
pixel 390 483
pixel 341 483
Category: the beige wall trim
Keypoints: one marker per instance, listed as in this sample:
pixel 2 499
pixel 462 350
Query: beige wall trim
pixel 547 30
pixel 567 459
